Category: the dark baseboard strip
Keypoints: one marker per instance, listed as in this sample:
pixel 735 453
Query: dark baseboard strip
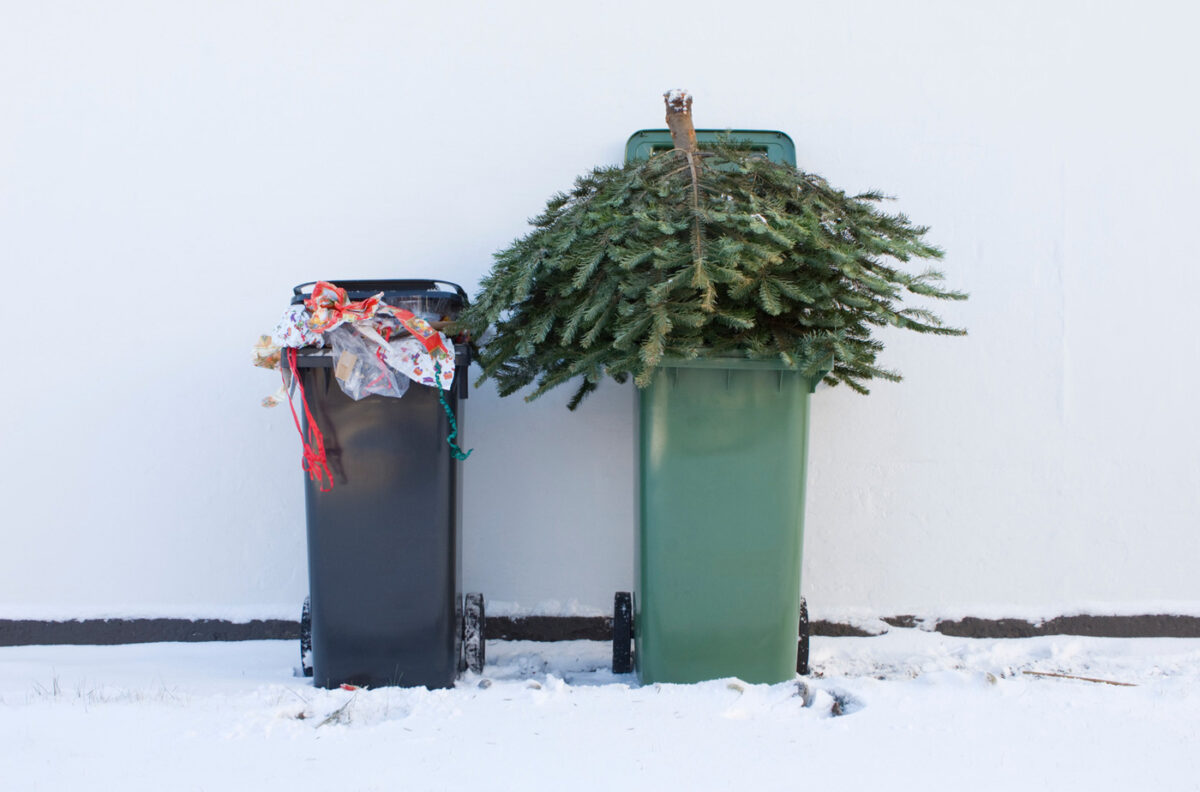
pixel 549 628
pixel 126 631
pixel 15 632
pixel 830 629
pixel 1144 626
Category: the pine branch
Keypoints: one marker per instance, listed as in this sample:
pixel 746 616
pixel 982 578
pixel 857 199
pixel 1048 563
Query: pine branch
pixel 695 252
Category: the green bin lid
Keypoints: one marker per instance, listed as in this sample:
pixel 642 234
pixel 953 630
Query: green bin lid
pixel 777 146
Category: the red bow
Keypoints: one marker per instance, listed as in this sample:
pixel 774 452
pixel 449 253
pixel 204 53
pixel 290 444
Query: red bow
pixel 330 306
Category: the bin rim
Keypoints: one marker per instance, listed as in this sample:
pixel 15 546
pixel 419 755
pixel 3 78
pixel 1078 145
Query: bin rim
pixel 322 357
pixel 738 363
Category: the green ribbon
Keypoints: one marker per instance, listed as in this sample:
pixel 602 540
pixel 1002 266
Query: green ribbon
pixel 455 451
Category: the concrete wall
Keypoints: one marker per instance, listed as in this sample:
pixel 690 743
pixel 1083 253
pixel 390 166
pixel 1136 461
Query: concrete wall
pixel 169 170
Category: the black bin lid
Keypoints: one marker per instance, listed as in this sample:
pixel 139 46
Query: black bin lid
pixel 392 289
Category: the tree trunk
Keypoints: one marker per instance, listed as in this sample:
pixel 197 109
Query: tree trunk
pixel 679 120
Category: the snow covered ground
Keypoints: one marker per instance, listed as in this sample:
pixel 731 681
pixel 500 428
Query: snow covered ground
pixel 906 710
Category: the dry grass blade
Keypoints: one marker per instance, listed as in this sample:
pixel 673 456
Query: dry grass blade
pixel 1080 678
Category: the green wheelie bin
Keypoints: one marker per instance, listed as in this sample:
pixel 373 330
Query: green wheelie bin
pixel 722 445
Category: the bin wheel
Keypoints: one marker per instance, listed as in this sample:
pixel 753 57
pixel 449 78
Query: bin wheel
pixel 802 647
pixel 622 627
pixel 306 638
pixel 474 639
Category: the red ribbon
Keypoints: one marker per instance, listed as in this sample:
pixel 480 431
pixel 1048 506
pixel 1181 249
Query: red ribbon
pixel 314 463
pixel 421 330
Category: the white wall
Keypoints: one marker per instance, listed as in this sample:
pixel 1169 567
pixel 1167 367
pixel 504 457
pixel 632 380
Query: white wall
pixel 169 170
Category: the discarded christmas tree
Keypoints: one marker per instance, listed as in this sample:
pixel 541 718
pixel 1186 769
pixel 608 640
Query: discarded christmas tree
pixel 701 252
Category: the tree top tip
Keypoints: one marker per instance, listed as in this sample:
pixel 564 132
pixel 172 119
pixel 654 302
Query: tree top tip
pixel 678 100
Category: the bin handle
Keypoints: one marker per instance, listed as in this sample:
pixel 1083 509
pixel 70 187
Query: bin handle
pixel 427 284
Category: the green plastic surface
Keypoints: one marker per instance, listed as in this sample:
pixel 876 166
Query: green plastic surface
pixel 723 445
pixel 777 146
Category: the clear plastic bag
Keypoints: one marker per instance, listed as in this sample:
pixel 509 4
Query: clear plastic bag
pixel 359 368
pixel 431 309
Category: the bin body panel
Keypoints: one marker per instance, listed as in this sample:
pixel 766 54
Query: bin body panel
pixel 722 453
pixel 383 545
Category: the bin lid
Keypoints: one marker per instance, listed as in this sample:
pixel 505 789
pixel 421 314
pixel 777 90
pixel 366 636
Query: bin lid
pixel 431 288
pixel 775 145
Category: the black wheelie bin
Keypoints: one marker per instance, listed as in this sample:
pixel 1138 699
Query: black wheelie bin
pixel 384 543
